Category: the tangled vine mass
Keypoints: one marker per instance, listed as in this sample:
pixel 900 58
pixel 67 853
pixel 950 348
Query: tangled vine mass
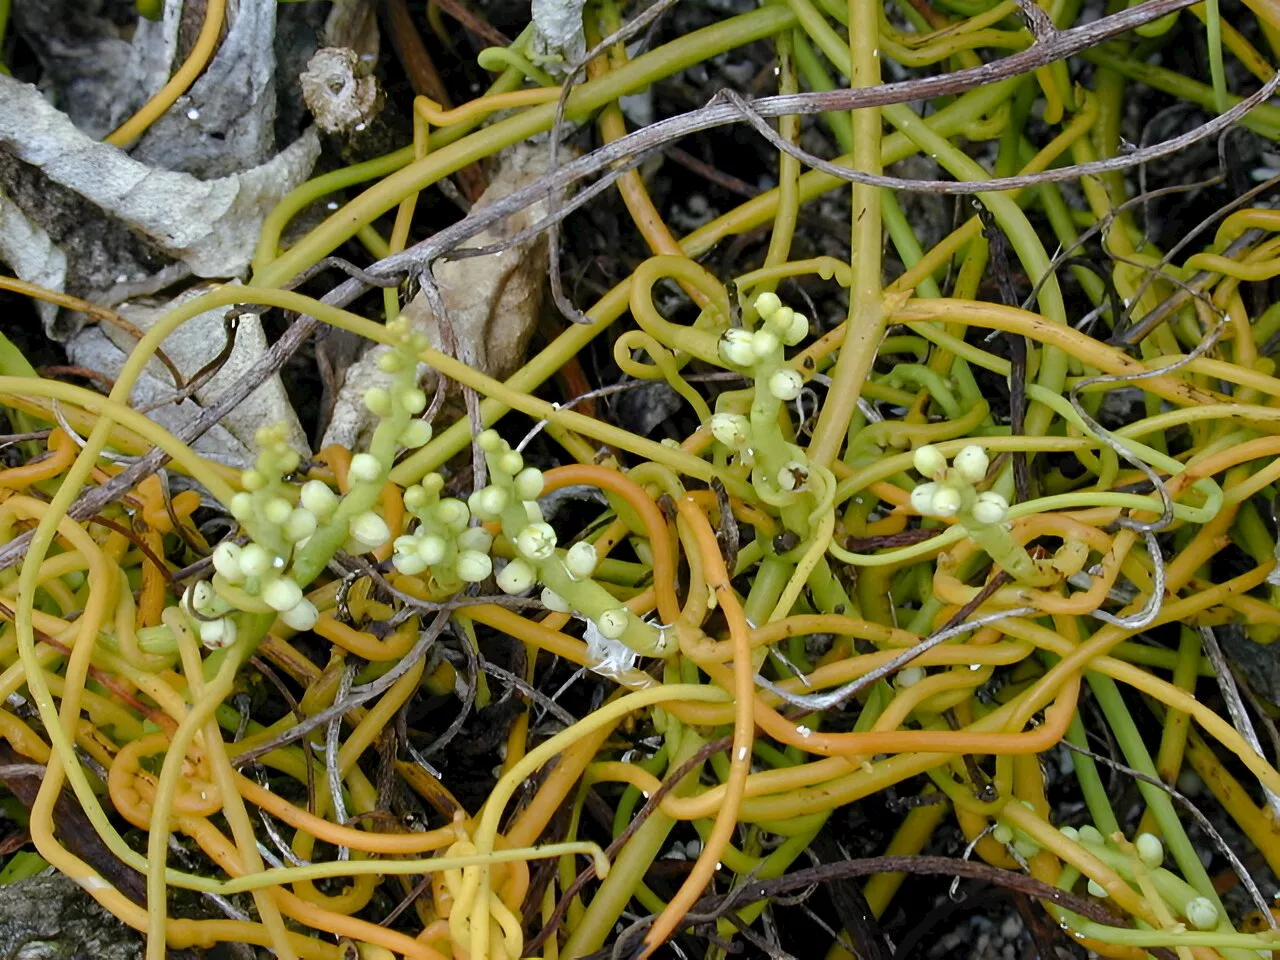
pixel 964 530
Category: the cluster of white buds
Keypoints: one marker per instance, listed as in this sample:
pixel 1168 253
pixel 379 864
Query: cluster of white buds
pixel 295 531
pixel 780 325
pixel 788 325
pixel 779 467
pixel 512 499
pixel 445 547
pixel 442 543
pixel 258 572
pixel 264 507
pixel 949 490
pixel 381 402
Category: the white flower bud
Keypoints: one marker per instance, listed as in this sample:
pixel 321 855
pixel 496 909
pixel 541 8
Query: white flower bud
pixel 253 480
pixel 516 577
pixel 510 462
pixel 537 541
pixel 409 563
pixel 786 384
pixel 922 498
pixel 1097 890
pixel 735 348
pixel 1150 849
pixel 971 463
pixel 377 400
pixel 216 634
pixel 389 362
pixel 277 510
pixel 432 549
pixel 369 531
pixel 929 461
pixel 226 560
pixel 731 429
pixel 318 498
pixel 1202 913
pixel 767 304
pixel 529 483
pixel 365 468
pixel 908 677
pixel 241 506
pixel 490 441
pixel 416 433
pixel 282 594
pixel 991 508
pixel 488 502
pixel 1090 834
pixel 288 460
pixel 764 342
pixel 202 597
pixel 946 502
pixel 613 623
pixel 414 400
pixel 303 616
pixel 554 602
pixel 255 560
pixel 475 538
pixel 581 559
pixel 797 330
pixel 415 498
pixel 1027 847
pixel 793 476
pixel 473 566
pixel 300 525
pixel 453 513
pixel 1002 833
pixel 268 435
pixel 1071 833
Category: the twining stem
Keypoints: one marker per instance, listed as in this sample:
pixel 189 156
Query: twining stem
pixel 866 309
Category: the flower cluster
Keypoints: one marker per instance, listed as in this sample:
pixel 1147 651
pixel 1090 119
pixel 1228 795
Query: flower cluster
pixel 294 531
pixel 444 546
pixel 780 470
pixel 949 492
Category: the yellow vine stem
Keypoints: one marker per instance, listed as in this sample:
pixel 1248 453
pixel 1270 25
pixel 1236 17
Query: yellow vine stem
pixel 865 323
pixel 726 821
pixel 99 313
pixel 205 698
pixel 471 906
pixel 179 83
